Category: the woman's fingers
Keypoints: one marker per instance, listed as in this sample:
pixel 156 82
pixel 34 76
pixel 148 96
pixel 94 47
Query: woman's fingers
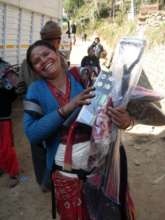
pixel 119 116
pixel 84 98
pixel 88 96
pixel 88 90
pixel 116 111
pixel 85 102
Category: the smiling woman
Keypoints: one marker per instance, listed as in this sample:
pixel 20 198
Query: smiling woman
pixel 45 62
pixel 52 100
pixel 57 94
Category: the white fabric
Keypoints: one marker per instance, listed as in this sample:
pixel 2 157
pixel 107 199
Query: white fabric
pixel 80 155
pixel 69 174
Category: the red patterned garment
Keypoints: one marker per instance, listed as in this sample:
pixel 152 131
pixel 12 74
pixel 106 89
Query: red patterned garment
pixel 69 197
pixel 68 190
pixel 8 159
pixel 61 97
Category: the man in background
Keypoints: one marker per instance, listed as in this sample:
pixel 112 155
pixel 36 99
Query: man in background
pixel 98 47
pixel 73 30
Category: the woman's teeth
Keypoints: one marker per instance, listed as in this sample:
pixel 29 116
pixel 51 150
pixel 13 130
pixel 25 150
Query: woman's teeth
pixel 48 66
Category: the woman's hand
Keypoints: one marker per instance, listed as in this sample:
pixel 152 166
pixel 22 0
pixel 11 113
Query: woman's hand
pixel 119 116
pixel 84 98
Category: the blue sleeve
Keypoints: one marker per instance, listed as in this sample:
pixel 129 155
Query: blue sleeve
pixel 39 129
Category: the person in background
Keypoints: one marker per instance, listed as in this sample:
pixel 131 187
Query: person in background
pixel 50 32
pixel 98 47
pixel 8 158
pixel 90 67
pixel 74 30
pixel 84 37
pixel 91 59
pixel 59 94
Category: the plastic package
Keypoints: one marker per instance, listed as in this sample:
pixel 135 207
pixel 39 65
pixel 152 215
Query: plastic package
pixel 105 147
pixel 103 88
pixel 126 71
pixel 124 80
pixel 103 185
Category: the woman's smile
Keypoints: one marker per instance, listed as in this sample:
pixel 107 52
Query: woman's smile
pixel 45 61
pixel 50 67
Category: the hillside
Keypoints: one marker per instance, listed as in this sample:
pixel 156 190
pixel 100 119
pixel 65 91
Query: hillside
pixel 110 29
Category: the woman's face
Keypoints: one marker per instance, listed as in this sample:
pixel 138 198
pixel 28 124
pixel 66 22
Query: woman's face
pixel 45 62
pixel 91 52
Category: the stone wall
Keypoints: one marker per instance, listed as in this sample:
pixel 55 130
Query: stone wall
pixel 154 19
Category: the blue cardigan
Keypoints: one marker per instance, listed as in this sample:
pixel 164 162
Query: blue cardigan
pixel 46 128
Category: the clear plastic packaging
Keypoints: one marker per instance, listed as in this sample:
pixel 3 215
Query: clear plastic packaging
pixel 105 155
pixel 105 147
pixel 103 88
pixel 126 71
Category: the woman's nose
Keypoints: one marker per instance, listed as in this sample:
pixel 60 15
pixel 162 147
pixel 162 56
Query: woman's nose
pixel 43 59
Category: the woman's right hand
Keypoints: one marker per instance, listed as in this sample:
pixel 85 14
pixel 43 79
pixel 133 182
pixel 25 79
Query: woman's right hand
pixel 84 98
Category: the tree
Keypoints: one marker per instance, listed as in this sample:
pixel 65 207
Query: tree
pixel 71 6
pixel 113 8
pixel 96 3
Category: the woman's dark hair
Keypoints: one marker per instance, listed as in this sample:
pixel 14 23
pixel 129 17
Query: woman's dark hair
pixel 34 45
pixel 98 39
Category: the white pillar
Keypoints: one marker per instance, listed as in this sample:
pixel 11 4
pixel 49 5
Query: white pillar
pixel 131 13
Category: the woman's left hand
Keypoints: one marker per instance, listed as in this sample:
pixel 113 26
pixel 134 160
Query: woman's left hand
pixel 119 116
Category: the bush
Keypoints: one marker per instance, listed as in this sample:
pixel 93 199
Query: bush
pixel 104 10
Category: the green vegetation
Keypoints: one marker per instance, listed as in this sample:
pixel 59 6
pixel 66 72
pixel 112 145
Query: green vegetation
pixel 111 32
pixel 109 20
pixel 72 6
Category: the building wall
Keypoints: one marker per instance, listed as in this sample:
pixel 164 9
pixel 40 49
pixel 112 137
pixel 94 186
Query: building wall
pixel 48 7
pixel 20 25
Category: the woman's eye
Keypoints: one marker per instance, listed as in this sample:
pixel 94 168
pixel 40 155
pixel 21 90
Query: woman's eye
pixel 36 61
pixel 46 53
